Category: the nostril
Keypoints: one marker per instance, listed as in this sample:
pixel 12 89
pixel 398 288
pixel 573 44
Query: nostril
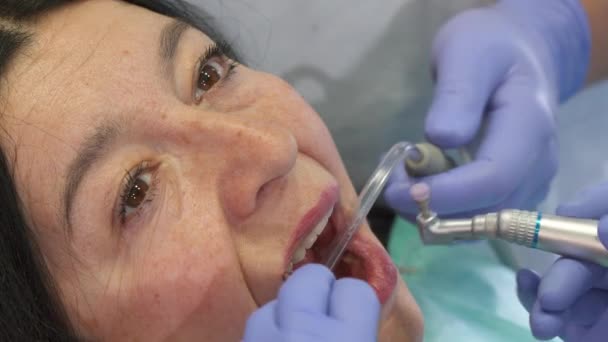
pixel 258 163
pixel 273 186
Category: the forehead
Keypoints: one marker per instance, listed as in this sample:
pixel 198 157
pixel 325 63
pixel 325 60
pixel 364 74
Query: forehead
pixel 81 47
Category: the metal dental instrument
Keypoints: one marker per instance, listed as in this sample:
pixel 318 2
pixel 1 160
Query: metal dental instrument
pixel 423 158
pixel 572 237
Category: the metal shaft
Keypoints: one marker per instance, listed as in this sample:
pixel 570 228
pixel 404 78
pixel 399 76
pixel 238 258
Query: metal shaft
pixel 566 236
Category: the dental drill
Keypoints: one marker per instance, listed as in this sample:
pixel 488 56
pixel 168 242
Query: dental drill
pixel 572 237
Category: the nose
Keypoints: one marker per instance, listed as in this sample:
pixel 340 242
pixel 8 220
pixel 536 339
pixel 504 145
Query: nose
pixel 254 156
pixel 261 158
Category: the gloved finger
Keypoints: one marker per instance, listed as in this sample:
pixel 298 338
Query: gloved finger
pixel 566 281
pixel 353 300
pixel 527 287
pixel 527 196
pixel 602 231
pixel 522 199
pixel 546 325
pixel 502 163
pixel 590 203
pixel 488 181
pixel 465 80
pixel 398 174
pixel 397 197
pixel 444 193
pixel 261 325
pixel 574 333
pixel 587 309
pixel 534 188
pixel 599 331
pixel 303 296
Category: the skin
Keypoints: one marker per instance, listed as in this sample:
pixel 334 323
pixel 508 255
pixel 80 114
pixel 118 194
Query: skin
pixel 596 14
pixel 232 176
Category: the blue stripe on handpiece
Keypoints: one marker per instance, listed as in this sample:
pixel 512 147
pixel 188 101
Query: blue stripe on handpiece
pixel 536 230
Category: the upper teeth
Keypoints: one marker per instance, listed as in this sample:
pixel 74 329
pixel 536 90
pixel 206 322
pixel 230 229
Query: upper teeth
pixel 309 240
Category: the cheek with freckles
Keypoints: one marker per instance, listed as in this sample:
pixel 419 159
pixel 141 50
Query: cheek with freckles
pixel 192 305
pixel 222 316
pixel 182 287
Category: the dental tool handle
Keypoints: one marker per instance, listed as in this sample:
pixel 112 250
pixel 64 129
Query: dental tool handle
pixel 430 160
pixel 572 237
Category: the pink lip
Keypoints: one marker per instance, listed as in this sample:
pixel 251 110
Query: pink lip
pixel 381 272
pixel 328 199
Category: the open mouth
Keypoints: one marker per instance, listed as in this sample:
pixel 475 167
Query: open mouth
pixel 315 247
pixel 362 259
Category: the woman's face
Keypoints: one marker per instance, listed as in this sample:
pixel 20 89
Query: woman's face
pixel 170 190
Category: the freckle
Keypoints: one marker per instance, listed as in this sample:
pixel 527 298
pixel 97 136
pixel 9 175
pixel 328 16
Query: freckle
pixel 163 116
pixel 186 140
pixel 125 52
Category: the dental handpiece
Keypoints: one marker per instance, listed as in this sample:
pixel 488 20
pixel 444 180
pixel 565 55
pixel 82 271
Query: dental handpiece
pixel 427 159
pixel 572 237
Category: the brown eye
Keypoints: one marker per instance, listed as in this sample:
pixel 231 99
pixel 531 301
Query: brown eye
pixel 208 77
pixel 137 194
pixel 209 74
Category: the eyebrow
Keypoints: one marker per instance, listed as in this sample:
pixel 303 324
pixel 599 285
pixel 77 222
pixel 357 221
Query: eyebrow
pixel 169 41
pixel 93 149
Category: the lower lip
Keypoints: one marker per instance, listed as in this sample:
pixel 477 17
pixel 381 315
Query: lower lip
pixel 380 271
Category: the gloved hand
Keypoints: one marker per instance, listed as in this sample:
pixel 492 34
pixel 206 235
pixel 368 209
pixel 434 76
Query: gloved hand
pixel 313 306
pixel 509 64
pixel 571 299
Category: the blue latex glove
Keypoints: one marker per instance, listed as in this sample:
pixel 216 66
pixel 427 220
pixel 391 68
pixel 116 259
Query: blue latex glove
pixel 313 306
pixel 509 64
pixel 571 299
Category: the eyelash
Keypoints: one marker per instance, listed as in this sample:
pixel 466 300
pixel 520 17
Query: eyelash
pixel 129 183
pixel 221 51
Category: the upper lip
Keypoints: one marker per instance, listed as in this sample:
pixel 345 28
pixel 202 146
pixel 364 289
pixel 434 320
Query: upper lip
pixel 327 200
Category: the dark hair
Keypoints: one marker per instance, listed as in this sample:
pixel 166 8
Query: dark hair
pixel 30 308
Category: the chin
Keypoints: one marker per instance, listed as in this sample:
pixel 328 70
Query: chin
pixel 401 318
